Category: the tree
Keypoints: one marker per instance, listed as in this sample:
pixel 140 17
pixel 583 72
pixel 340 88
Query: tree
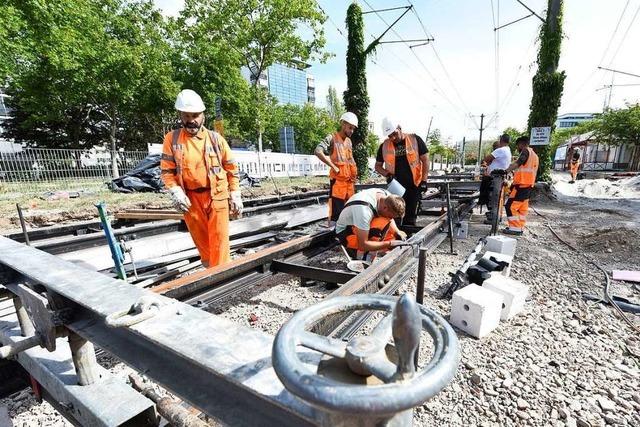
pixel 373 142
pixel 97 71
pixel 356 98
pixel 622 126
pixel 260 33
pixel 335 107
pixel 548 83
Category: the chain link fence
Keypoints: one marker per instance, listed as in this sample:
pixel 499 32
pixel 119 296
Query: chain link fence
pixel 40 170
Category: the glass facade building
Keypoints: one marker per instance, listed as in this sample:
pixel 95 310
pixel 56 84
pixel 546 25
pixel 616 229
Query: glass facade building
pixel 288 84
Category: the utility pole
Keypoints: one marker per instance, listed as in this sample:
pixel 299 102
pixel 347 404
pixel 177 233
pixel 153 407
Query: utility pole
pixel 480 139
pixel 426 140
pixel 463 144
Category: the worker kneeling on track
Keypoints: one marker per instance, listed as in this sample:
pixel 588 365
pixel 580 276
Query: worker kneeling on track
pixel 202 178
pixel 366 226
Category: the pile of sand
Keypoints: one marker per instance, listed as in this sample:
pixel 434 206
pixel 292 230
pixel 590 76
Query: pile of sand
pixel 627 188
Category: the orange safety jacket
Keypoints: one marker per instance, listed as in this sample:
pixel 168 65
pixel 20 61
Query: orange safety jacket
pixel 525 175
pixel 413 157
pixel 220 165
pixel 342 156
pixel 379 228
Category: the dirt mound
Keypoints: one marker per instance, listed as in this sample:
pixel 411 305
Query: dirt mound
pixel 542 192
pixel 611 240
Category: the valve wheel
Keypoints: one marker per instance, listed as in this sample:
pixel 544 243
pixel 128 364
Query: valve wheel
pixel 402 387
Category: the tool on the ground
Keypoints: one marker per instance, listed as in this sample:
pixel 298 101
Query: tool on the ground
pixel 338 386
pixel 114 246
pixel 357 266
pixel 623 303
pixel 459 279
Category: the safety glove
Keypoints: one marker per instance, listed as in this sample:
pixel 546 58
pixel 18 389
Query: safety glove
pixel 180 200
pixel 235 205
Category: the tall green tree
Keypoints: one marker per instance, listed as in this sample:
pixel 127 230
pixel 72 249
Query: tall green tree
pixel 335 107
pixel 618 127
pixel 356 98
pixel 548 83
pixel 97 71
pixel 259 33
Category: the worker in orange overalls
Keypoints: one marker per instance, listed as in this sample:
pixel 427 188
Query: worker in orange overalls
pixel 405 158
pixel 202 178
pixel 574 165
pixel 336 152
pixel 366 226
pixel 524 178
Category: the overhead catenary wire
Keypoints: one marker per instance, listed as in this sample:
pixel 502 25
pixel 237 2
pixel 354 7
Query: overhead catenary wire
pixel 438 89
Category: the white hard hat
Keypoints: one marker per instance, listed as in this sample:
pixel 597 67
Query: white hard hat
pixel 389 126
pixel 350 118
pixel 189 101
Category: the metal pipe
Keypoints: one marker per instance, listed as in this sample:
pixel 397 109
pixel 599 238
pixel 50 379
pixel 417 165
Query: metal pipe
pixel 26 325
pixel 422 263
pixel 23 225
pixel 170 409
pixel 84 359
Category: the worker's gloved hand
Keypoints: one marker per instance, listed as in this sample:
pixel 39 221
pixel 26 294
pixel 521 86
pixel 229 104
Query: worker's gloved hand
pixel 395 243
pixel 402 235
pixel 180 200
pixel 389 178
pixel 423 185
pixel 235 204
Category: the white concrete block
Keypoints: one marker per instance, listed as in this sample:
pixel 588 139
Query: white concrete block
pixel 500 258
pixel 476 310
pixel 514 293
pixel 501 244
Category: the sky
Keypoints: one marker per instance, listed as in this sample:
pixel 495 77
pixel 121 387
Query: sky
pixel 470 69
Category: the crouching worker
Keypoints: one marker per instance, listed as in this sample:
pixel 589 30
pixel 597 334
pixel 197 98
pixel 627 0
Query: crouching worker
pixel 366 226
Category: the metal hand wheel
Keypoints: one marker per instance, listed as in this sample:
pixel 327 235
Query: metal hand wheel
pixel 403 388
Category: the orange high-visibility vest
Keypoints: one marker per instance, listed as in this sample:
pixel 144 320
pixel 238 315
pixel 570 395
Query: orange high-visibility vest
pixel 342 156
pixel 378 232
pixel 413 157
pixel 219 163
pixel 525 175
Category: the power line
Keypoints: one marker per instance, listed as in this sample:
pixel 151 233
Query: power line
pixel 624 37
pixel 446 72
pixel 439 89
pixel 615 31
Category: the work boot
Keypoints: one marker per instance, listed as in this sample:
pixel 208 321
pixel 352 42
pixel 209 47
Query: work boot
pixel 511 232
pixel 572 182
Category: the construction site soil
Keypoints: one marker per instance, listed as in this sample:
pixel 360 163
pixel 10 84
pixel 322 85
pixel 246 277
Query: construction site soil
pixel 564 361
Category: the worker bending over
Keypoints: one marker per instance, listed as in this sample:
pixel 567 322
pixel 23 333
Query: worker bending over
pixel 336 152
pixel 524 178
pixel 574 165
pixel 366 225
pixel 405 158
pixel 202 178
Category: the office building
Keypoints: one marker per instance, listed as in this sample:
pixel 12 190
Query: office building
pixel 288 84
pixel 570 120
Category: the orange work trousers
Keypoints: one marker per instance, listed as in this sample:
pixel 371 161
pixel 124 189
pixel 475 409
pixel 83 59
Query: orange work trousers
pixel 517 207
pixel 339 193
pixel 573 168
pixel 208 223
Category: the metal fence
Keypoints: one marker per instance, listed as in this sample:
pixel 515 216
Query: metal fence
pixel 34 170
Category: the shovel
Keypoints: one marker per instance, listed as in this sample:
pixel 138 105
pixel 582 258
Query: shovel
pixel 354 265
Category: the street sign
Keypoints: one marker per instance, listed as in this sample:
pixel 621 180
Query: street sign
pixel 540 136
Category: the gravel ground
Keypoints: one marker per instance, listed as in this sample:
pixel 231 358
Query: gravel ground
pixel 562 362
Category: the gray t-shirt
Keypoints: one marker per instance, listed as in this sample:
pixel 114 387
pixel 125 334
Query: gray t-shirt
pixel 359 215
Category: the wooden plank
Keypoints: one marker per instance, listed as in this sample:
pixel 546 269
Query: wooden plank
pixel 213 275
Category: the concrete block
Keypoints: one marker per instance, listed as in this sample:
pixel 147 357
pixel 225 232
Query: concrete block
pixel 476 310
pixel 501 244
pixel 514 293
pixel 500 258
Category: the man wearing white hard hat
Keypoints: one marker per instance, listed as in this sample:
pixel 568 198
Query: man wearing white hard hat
pixel 336 152
pixel 405 158
pixel 202 178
